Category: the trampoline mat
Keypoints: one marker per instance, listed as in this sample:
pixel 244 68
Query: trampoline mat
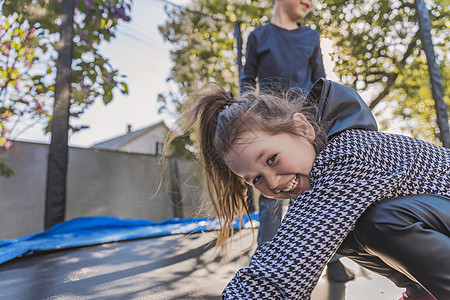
pixel 182 266
pixel 168 267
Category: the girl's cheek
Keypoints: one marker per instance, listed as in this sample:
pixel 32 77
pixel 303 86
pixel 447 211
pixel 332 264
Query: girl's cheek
pixel 262 191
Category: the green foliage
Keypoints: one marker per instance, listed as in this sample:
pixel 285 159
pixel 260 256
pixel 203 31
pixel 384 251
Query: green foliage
pixel 413 104
pixel 5 170
pixel 182 147
pixel 376 48
pixel 22 91
pixel 29 35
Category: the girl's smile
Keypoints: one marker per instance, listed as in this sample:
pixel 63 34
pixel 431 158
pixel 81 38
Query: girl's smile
pixel 278 165
pixel 291 185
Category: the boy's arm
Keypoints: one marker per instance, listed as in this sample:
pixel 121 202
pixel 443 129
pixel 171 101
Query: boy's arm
pixel 318 70
pixel 248 79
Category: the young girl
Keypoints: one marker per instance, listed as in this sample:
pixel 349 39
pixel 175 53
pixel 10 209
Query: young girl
pixel 279 147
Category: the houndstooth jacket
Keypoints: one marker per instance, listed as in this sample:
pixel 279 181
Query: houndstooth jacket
pixel 355 169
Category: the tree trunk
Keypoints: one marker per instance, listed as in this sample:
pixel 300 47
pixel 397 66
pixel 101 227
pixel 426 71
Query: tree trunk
pixel 55 203
pixel 437 89
pixel 174 189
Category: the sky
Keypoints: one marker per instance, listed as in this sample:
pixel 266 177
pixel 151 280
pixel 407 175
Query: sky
pixel 139 52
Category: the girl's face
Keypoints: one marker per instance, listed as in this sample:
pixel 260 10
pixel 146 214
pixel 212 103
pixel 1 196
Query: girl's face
pixel 277 165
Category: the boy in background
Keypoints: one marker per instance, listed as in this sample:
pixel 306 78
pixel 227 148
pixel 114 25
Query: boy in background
pixel 285 55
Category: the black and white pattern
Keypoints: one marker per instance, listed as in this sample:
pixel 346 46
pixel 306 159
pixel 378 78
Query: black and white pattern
pixel 356 169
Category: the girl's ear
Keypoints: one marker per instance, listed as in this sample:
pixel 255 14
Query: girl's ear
pixel 303 127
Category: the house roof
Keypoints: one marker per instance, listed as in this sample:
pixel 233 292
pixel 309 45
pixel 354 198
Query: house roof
pixel 117 142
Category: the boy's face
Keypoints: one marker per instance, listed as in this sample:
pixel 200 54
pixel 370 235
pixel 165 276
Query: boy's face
pixel 277 165
pixel 296 9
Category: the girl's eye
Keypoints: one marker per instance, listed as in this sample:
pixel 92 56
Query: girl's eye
pixel 271 160
pixel 256 179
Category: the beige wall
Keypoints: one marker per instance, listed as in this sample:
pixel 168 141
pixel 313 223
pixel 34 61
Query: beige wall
pixel 100 183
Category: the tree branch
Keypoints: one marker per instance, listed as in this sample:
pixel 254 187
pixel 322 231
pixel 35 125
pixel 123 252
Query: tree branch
pixel 393 76
pixel 391 80
pixel 373 81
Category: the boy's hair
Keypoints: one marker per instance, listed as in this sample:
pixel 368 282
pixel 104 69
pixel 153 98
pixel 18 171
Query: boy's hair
pixel 220 122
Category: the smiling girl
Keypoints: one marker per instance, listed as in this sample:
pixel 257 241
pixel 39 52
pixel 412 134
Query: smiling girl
pixel 387 196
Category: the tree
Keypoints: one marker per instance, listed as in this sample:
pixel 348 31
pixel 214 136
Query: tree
pixel 377 49
pixel 22 92
pixel 29 36
pixel 82 74
pixel 55 201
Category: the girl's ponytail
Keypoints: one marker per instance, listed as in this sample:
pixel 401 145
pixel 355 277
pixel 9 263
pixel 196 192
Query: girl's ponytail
pixel 226 190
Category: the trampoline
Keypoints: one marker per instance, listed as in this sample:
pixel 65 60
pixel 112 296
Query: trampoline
pixel 121 262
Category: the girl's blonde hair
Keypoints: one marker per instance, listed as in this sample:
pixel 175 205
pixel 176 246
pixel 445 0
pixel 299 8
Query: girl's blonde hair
pixel 219 122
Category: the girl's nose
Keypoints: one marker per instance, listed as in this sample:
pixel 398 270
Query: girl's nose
pixel 272 182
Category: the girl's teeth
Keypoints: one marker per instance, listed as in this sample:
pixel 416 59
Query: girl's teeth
pixel 293 185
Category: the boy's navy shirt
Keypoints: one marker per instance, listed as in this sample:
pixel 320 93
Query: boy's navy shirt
pixel 282 59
